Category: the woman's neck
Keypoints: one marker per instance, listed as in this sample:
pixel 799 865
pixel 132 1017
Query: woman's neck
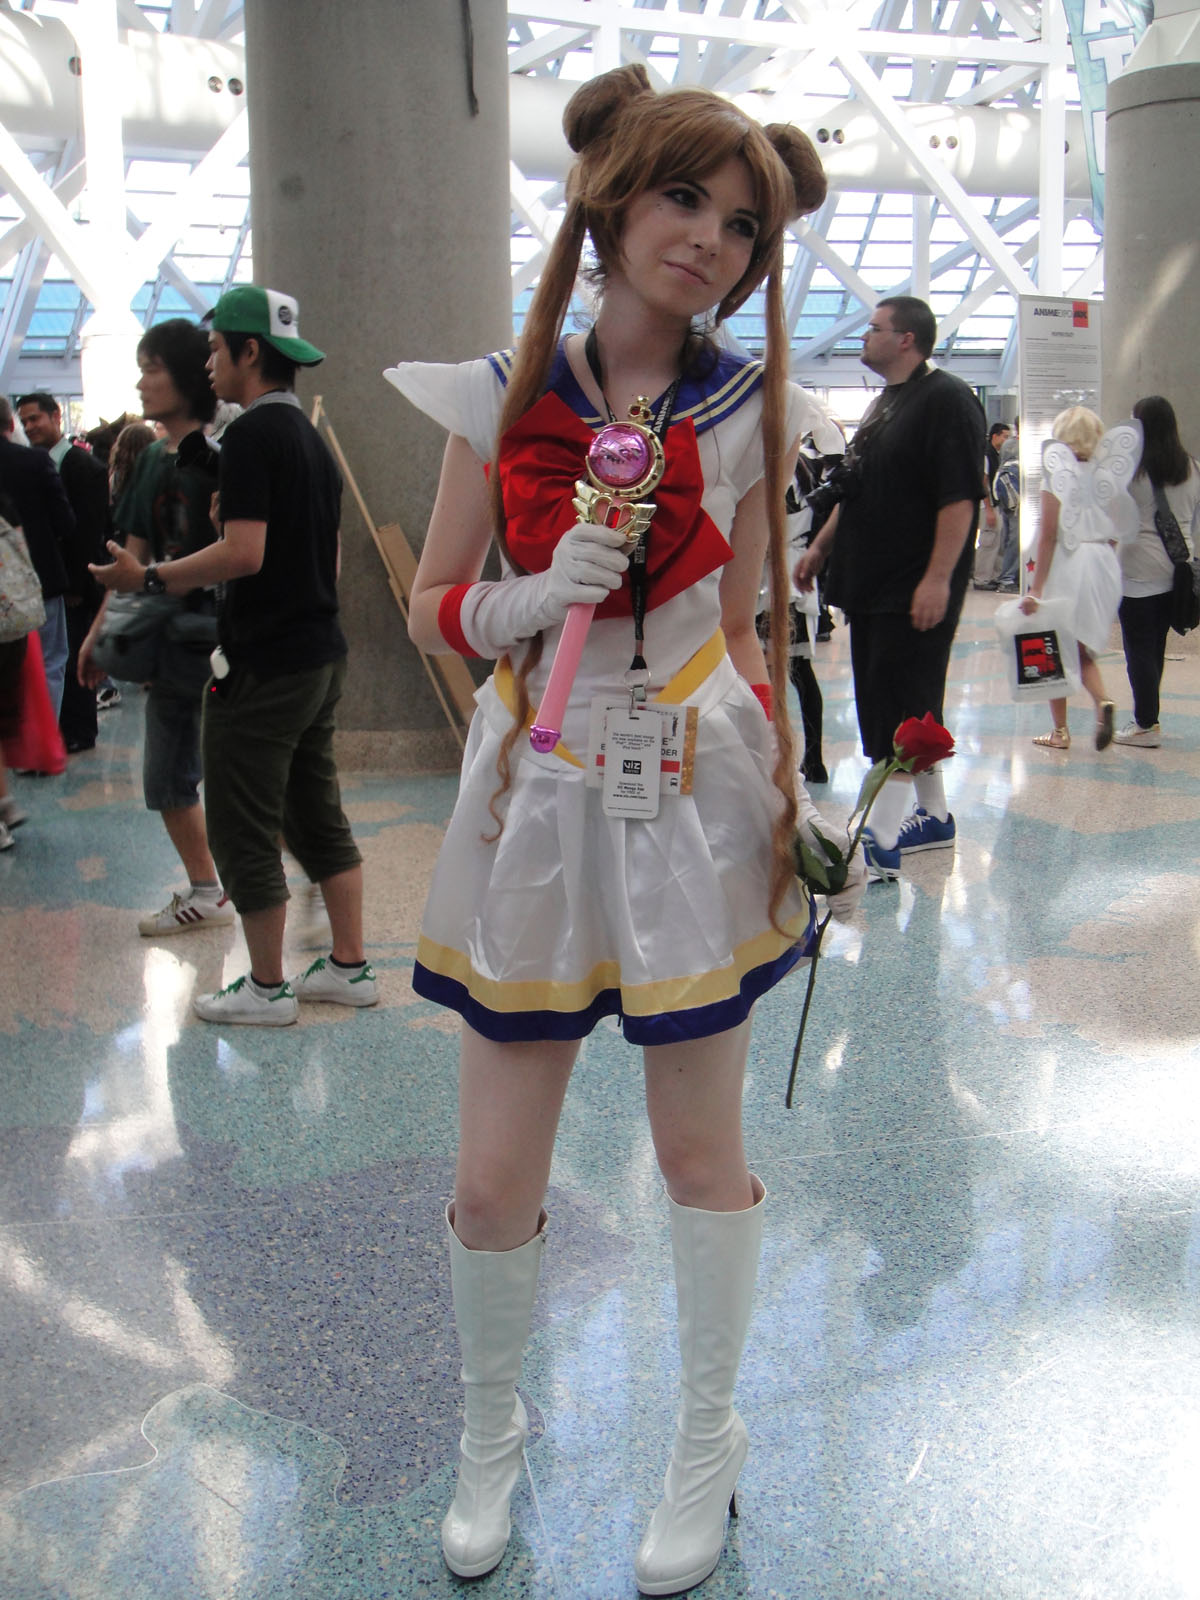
pixel 640 352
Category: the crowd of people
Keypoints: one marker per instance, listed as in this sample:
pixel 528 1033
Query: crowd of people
pixel 600 875
pixel 243 694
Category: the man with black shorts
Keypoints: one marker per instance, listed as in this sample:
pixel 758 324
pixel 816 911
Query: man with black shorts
pixel 899 552
pixel 278 669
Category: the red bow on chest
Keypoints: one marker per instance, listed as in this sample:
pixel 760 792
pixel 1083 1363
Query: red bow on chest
pixel 543 455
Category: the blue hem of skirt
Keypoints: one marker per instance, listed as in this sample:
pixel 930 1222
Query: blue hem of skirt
pixel 667 1027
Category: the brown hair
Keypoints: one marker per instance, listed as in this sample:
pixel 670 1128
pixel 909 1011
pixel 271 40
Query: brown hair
pixel 627 140
pixel 133 438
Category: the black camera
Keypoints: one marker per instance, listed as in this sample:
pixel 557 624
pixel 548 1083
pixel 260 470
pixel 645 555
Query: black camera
pixel 843 482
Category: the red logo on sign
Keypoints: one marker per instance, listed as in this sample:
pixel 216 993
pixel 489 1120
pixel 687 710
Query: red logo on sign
pixel 1079 309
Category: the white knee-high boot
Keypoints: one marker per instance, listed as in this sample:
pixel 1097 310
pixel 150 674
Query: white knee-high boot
pixel 716 1262
pixel 493 1302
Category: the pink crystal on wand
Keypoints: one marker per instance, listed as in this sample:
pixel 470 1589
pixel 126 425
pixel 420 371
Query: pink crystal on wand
pixel 619 456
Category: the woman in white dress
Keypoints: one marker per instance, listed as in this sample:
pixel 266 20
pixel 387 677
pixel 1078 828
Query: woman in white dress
pixel 1085 514
pixel 547 910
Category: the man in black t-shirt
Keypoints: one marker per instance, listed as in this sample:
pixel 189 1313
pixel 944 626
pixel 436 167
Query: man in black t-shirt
pixel 899 551
pixel 278 669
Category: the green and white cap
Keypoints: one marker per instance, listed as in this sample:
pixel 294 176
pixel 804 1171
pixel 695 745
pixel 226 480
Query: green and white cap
pixel 270 316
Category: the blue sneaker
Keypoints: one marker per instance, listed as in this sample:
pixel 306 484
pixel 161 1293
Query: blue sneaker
pixel 882 865
pixel 920 831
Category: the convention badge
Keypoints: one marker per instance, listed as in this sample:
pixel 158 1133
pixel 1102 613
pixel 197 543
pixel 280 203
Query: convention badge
pixel 678 750
pixel 632 763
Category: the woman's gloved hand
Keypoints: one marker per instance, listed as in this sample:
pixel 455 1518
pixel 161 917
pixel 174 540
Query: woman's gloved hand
pixel 589 562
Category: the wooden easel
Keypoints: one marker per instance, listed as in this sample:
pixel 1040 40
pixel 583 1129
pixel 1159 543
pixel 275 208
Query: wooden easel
pixel 451 681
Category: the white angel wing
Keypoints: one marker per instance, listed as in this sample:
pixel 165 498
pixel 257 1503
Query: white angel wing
pixel 1063 476
pixel 1113 465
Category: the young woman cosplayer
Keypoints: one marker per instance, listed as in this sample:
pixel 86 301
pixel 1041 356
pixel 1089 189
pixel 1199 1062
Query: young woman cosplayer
pixel 1085 514
pixel 547 912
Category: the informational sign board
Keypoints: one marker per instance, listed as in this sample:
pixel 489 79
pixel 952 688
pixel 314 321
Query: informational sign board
pixel 1058 358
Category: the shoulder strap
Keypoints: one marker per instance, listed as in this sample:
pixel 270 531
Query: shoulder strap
pixel 1168 528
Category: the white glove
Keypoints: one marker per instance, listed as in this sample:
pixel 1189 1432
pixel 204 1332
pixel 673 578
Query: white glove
pixel 843 904
pixel 588 564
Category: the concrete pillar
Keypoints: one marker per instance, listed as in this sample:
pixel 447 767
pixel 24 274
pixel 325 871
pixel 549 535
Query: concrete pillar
pixel 380 199
pixel 1151 244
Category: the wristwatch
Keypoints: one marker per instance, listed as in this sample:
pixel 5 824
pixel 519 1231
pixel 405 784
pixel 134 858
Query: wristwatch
pixel 152 583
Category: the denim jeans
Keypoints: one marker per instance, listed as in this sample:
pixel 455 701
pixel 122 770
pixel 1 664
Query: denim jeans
pixel 55 648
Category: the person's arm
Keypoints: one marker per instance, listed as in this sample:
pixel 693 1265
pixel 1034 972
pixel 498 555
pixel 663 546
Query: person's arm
pixel 237 554
pixel 1044 554
pixel 456 545
pixel 88 675
pixel 931 597
pixel 740 581
pixel 814 558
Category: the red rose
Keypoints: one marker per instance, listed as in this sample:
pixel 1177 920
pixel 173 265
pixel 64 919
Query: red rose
pixel 921 743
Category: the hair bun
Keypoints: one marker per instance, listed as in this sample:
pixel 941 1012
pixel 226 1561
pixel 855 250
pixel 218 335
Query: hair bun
pixel 592 109
pixel 799 155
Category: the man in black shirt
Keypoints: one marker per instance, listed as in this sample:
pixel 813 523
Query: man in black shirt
pixel 278 669
pixel 899 551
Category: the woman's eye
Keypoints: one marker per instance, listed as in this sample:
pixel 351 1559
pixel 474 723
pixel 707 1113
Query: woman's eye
pixel 683 197
pixel 746 227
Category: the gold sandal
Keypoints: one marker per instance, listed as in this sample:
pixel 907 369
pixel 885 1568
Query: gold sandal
pixel 1056 739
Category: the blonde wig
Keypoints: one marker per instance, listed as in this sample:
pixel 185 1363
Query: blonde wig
pixel 1079 429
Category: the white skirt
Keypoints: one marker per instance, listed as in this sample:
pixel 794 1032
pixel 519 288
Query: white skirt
pixel 1088 578
pixel 570 916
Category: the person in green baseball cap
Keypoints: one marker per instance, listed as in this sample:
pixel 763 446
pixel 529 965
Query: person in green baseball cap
pixel 270 316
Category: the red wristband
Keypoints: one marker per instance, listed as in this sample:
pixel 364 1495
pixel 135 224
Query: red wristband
pixel 763 693
pixel 450 619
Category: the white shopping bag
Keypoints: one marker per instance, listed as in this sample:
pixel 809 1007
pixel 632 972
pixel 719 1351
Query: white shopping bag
pixel 1041 653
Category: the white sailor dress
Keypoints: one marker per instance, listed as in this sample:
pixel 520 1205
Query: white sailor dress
pixel 567 915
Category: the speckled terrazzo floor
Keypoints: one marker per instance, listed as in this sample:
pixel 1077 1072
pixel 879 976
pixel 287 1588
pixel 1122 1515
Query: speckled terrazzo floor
pixel 974 1370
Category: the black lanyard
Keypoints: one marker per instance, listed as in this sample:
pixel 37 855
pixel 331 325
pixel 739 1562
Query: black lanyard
pixel 639 582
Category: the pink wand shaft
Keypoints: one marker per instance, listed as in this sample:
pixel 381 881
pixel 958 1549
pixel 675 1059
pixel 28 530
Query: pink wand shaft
pixel 547 730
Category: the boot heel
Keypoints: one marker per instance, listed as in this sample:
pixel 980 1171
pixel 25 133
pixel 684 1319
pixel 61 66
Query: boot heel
pixel 733 1511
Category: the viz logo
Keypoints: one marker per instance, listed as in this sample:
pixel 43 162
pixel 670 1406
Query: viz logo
pixel 631 769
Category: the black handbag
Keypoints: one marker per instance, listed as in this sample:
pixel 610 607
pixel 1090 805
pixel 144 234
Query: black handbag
pixel 1185 592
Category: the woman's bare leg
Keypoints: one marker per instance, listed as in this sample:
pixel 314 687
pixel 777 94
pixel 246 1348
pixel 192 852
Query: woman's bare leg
pixel 510 1097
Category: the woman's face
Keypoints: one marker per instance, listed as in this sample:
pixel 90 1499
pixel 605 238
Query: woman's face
pixel 688 241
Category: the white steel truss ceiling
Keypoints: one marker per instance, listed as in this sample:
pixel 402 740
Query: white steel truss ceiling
pixel 950 130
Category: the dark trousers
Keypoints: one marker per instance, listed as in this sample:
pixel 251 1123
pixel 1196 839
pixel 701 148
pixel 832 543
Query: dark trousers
pixel 77 714
pixel 1145 623
pixel 898 672
pixel 812 712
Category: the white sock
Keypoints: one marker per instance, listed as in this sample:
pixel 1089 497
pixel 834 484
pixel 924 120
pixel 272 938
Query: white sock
pixel 931 793
pixel 266 991
pixel 206 891
pixel 892 805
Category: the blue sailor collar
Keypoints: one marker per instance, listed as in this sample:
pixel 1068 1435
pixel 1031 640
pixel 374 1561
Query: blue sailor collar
pixel 707 400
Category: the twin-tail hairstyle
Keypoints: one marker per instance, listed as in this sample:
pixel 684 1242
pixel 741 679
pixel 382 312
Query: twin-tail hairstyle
pixel 627 140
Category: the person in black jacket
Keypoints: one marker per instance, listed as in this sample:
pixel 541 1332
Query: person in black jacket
pixel 49 525
pixel 86 481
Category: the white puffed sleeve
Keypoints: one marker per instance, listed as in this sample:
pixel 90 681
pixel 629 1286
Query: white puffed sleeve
pixel 464 398
pixel 807 415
